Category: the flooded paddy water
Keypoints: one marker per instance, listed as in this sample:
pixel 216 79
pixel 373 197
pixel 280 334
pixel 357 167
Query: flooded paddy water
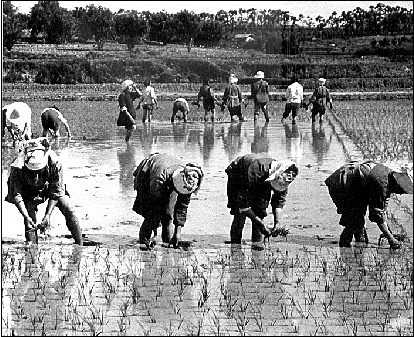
pixel 299 285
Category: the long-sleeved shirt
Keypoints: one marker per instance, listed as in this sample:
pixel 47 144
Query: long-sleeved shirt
pixel 246 186
pixel 154 184
pixel 369 184
pixel 294 93
pixel 49 183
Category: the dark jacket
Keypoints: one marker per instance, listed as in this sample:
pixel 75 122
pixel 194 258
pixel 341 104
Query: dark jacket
pixel 206 92
pixel 154 185
pixel 320 98
pixel 126 99
pixel 246 186
pixel 356 186
pixel 260 91
pixel 49 184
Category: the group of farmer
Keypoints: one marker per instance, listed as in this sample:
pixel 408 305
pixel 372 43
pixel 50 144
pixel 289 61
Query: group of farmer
pixel 165 184
pixel 232 99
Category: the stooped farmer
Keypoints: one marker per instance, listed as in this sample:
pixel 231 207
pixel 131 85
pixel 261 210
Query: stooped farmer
pixel 358 185
pixel 164 186
pixel 17 118
pixel 51 119
pixel 253 181
pixel 36 175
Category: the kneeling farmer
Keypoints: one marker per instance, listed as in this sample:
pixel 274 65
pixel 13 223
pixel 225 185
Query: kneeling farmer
pixel 251 180
pixel 164 186
pixel 36 175
pixel 358 185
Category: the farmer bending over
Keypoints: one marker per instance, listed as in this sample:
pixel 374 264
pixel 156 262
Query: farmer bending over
pixel 36 175
pixel 17 118
pixel 358 185
pixel 164 186
pixel 254 180
pixel 180 104
pixel 51 120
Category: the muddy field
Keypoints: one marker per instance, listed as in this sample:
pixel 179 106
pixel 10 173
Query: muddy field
pixel 303 284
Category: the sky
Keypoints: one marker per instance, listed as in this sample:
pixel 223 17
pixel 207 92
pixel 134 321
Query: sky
pixel 307 8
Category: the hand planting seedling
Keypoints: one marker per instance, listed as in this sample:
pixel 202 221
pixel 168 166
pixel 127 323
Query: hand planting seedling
pixel 282 231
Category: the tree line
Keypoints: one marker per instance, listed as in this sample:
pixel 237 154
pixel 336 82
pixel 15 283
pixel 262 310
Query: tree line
pixel 56 25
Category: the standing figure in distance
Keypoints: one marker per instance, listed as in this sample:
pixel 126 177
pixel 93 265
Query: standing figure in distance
pixel 127 113
pixel 294 99
pixel 233 98
pixel 253 181
pixel 259 91
pixel 164 186
pixel 358 185
pixel 36 175
pixel 206 93
pixel 17 118
pixel 51 119
pixel 319 99
pixel 149 99
pixel 180 104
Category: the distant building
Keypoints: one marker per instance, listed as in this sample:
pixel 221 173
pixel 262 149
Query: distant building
pixel 243 38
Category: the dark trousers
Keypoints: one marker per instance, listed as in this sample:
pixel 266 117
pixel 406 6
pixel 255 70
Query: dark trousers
pixel 163 219
pixel 65 207
pixel 353 221
pixel 237 226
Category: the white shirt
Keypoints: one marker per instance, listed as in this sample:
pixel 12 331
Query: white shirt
pixel 294 93
pixel 18 114
pixel 148 95
pixel 184 101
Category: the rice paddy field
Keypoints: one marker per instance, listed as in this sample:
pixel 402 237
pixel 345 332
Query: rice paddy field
pixel 301 284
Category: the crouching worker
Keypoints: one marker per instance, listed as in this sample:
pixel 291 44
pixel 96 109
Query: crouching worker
pixel 164 187
pixel 51 119
pixel 358 185
pixel 36 175
pixel 253 181
pixel 180 104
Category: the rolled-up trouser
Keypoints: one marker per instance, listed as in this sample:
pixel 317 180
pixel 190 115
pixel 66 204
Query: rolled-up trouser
pixel 65 207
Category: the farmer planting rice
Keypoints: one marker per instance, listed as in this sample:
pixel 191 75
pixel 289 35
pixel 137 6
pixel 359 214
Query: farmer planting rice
pixel 51 119
pixel 164 187
pixel 17 118
pixel 253 181
pixel 319 100
pixel 36 175
pixel 127 114
pixel 358 185
pixel 180 104
pixel 259 91
pixel 233 98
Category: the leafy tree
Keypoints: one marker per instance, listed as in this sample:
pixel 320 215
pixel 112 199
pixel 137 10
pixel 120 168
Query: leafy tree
pixel 49 19
pixel 99 20
pixel 187 25
pixel 161 27
pixel 13 25
pixel 130 27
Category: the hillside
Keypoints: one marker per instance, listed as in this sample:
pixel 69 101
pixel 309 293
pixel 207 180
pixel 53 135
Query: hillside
pixel 83 64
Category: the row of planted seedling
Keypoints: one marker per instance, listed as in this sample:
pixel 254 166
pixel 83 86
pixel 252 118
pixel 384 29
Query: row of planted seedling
pixel 311 290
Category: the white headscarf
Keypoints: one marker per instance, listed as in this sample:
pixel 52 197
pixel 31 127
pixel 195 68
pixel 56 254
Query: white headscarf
pixel 181 180
pixel 276 169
